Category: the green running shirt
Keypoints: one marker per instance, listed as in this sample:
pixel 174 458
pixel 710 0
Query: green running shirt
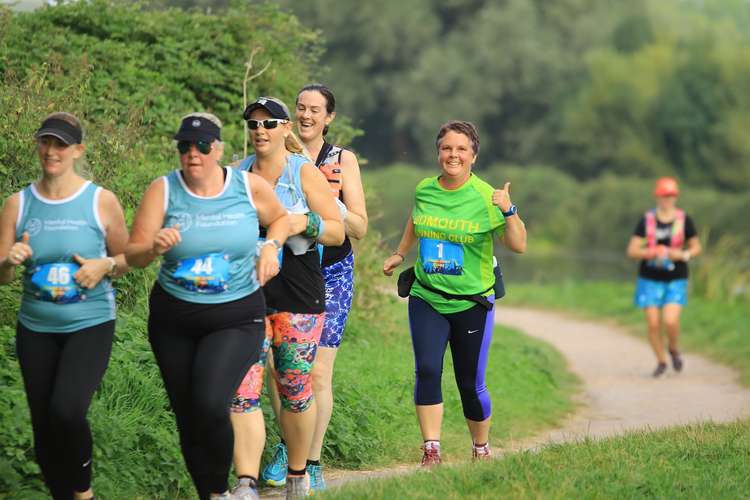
pixel 454 230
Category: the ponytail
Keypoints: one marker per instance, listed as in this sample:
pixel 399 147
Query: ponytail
pixel 294 145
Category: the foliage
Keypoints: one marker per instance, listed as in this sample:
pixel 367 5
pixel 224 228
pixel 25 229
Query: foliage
pixel 588 219
pixel 646 87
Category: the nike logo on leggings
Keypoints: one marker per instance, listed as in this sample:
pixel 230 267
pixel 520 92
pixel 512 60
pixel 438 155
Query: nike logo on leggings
pixel 472 331
pixel 87 463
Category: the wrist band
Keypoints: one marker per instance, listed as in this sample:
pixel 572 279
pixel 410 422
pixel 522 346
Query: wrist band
pixel 313 225
pixel 112 266
pixel 396 252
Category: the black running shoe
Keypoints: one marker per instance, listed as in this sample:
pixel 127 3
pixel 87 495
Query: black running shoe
pixel 676 360
pixel 660 369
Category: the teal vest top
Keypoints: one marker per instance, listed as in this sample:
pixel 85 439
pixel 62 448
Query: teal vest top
pixel 58 229
pixel 215 262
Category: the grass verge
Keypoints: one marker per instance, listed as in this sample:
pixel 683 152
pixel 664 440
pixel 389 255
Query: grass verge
pixel 697 461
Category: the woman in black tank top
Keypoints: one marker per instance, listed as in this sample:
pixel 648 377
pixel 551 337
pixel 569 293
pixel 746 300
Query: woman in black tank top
pixel 315 109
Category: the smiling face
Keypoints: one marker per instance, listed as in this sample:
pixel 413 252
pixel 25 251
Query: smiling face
pixel 268 140
pixel 456 155
pixel 312 115
pixel 57 158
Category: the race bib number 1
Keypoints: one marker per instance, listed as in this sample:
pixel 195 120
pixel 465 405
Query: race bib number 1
pixel 441 257
pixel 54 283
pixel 205 274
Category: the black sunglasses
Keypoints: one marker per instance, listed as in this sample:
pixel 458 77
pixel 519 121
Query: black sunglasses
pixel 204 147
pixel 269 123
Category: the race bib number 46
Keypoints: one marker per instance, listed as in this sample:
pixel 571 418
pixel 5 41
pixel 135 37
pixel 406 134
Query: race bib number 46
pixel 204 274
pixel 441 257
pixel 54 283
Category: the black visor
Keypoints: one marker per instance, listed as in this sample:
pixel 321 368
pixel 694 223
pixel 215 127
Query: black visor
pixel 66 132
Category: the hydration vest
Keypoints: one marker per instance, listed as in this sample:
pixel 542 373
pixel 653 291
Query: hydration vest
pixel 678 229
pixel 329 162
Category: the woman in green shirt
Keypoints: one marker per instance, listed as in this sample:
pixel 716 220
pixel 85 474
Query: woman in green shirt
pixel 455 217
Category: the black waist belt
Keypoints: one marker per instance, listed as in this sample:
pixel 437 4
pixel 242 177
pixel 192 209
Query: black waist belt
pixel 407 278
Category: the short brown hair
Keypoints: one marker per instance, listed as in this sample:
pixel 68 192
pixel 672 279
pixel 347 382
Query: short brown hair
pixel 466 128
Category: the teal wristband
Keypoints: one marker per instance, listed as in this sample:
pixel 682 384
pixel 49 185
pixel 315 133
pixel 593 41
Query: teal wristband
pixel 313 225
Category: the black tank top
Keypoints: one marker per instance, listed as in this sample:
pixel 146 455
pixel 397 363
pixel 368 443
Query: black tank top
pixel 329 162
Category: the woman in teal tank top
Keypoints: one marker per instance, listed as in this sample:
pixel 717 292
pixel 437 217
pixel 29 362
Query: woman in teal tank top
pixel 207 311
pixel 69 235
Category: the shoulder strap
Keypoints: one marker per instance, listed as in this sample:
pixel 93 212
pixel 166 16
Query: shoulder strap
pixel 247 163
pixel 678 229
pixel 650 219
pixel 323 154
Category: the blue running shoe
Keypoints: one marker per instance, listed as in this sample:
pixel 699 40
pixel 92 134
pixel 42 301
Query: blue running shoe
pixel 274 473
pixel 317 483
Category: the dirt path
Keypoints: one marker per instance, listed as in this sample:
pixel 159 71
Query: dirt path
pixel 618 394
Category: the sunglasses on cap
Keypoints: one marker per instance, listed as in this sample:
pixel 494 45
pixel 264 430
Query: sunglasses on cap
pixel 204 147
pixel 268 123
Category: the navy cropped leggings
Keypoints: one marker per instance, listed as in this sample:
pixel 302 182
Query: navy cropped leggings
pixel 469 334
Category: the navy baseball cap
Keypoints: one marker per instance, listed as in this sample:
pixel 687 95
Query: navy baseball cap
pixel 275 107
pixel 197 128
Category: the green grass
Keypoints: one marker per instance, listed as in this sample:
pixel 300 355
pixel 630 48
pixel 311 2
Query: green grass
pixel 374 379
pixel 698 461
pixel 136 453
pixel 716 329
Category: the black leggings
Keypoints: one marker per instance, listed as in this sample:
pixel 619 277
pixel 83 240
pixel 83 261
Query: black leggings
pixel 203 352
pixel 61 372
pixel 470 335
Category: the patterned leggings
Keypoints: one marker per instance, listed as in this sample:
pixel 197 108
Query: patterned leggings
pixel 294 339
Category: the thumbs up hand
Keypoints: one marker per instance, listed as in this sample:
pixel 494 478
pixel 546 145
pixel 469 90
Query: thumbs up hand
pixel 501 198
pixel 91 272
pixel 166 238
pixel 20 251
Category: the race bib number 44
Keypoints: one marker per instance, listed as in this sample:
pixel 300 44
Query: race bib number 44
pixel 54 283
pixel 441 257
pixel 204 274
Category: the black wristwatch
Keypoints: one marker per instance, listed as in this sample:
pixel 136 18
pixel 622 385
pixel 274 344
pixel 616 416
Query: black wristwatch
pixel 513 210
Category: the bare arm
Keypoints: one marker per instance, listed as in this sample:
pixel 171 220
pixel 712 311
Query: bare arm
pixel 354 196
pixel 636 250
pixel 274 218
pixel 319 200
pixel 408 240
pixel 147 237
pixel 92 271
pixel 9 254
pixel 514 236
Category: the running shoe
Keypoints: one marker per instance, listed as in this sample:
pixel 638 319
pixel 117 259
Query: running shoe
pixel 660 369
pixel 274 473
pixel 676 360
pixel 431 456
pixel 220 496
pixel 481 452
pixel 245 489
pixel 317 483
pixel 297 487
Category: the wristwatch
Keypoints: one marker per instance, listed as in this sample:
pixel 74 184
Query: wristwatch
pixel 513 210
pixel 272 242
pixel 112 266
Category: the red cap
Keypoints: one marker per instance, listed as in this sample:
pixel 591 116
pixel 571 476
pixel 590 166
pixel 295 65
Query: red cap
pixel 666 186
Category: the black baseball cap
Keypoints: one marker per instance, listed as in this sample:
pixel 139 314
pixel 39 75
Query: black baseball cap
pixel 57 127
pixel 275 107
pixel 197 128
